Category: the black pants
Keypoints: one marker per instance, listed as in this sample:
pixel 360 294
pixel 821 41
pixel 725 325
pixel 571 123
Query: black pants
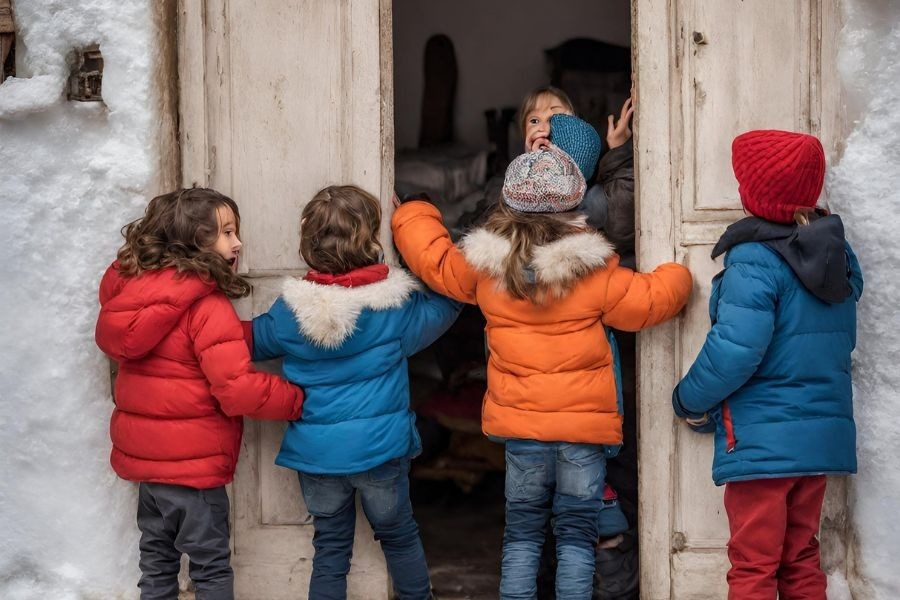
pixel 176 520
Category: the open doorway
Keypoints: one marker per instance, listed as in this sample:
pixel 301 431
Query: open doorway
pixel 461 69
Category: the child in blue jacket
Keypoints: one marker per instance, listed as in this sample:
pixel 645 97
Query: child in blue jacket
pixel 345 330
pixel 773 377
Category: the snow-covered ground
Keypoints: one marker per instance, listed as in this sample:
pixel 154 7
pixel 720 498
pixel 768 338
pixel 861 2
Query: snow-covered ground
pixel 72 174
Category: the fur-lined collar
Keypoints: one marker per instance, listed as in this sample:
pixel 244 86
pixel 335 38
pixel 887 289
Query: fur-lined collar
pixel 327 314
pixel 562 261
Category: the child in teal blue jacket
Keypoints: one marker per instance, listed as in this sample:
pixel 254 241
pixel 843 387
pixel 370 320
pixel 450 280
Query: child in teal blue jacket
pixel 345 330
pixel 773 377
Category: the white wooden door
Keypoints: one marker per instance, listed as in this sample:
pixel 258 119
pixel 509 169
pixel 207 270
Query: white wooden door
pixel 707 71
pixel 280 98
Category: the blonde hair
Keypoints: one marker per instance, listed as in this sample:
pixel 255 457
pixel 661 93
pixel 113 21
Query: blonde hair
pixel 803 216
pixel 339 230
pixel 178 230
pixel 525 231
pixel 531 100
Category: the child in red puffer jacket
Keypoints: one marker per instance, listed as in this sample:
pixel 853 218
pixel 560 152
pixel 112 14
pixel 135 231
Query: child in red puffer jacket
pixel 184 382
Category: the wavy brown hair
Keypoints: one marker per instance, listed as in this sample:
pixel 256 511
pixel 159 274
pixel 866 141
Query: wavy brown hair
pixel 525 231
pixel 339 230
pixel 178 230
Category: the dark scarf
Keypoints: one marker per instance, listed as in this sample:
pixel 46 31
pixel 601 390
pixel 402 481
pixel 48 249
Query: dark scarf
pixel 815 252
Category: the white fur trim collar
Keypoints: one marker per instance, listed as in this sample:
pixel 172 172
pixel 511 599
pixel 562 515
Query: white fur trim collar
pixel 563 260
pixel 327 314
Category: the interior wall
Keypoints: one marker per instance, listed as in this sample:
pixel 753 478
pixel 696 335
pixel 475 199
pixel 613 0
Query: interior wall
pixel 499 52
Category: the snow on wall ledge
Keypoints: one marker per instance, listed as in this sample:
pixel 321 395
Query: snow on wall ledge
pixel 864 188
pixel 72 174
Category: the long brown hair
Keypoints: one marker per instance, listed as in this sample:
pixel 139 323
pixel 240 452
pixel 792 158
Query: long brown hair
pixel 178 230
pixel 339 230
pixel 525 231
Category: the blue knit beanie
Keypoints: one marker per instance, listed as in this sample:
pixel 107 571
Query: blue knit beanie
pixel 577 139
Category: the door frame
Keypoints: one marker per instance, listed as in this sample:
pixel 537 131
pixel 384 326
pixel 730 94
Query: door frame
pixel 655 79
pixel 657 47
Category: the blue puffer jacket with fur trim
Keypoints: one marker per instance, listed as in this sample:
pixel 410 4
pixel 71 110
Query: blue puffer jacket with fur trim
pixel 349 347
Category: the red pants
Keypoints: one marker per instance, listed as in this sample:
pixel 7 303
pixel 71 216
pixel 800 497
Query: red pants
pixel 773 546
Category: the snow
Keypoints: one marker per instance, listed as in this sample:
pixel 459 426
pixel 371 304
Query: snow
pixel 72 174
pixel 863 188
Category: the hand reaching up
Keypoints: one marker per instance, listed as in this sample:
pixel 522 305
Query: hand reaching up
pixel 619 133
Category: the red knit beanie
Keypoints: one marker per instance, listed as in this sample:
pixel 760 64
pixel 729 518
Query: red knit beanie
pixel 778 172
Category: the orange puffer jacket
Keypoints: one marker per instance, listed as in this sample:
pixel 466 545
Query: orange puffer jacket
pixel 550 372
pixel 184 381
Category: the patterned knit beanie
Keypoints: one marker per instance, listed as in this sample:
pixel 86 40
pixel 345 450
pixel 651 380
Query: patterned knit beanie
pixel 578 139
pixel 778 172
pixel 544 181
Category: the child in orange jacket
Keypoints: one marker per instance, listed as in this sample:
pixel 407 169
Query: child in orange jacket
pixel 547 284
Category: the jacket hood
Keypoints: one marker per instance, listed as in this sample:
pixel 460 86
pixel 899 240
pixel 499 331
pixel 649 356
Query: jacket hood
pixel 138 312
pixel 327 314
pixel 562 261
pixel 816 252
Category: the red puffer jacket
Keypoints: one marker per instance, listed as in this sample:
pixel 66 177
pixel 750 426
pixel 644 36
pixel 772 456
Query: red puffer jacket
pixel 184 381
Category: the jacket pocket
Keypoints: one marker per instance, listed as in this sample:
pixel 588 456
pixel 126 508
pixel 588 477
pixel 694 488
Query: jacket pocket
pixel 526 475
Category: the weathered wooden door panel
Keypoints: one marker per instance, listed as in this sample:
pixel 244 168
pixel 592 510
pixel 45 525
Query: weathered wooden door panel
pixel 699 518
pixel 746 66
pixel 280 98
pixel 706 71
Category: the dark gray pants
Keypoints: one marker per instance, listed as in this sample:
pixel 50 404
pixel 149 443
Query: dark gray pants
pixel 176 520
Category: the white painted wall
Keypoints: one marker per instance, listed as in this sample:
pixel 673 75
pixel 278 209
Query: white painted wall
pixel 499 52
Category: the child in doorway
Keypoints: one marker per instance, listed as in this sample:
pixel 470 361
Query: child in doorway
pixel 773 377
pixel 345 330
pixel 184 381
pixel 547 284
pixel 609 207
pixel 616 182
pixel 609 204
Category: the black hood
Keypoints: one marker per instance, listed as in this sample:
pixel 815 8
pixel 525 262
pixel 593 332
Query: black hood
pixel 816 252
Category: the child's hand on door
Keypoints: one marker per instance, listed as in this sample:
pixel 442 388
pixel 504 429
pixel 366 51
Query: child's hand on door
pixel 619 133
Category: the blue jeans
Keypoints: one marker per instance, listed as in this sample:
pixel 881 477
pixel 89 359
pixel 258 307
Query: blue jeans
pixel 554 482
pixel 384 492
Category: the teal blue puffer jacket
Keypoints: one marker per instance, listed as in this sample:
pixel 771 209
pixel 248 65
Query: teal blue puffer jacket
pixel 774 372
pixel 348 347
